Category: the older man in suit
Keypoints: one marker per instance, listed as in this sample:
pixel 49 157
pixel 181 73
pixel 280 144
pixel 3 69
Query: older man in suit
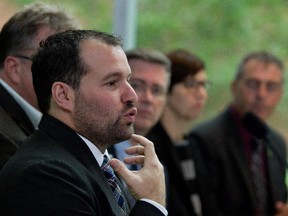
pixel 19 38
pixel 248 168
pixel 81 79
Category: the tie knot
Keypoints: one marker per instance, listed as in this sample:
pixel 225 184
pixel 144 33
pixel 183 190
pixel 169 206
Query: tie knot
pixel 105 161
pixel 107 170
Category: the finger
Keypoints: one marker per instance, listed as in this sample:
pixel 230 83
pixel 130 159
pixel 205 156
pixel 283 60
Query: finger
pixel 281 207
pixel 149 150
pixel 140 140
pixel 139 159
pixel 120 169
pixel 137 149
pixel 133 141
pixel 278 205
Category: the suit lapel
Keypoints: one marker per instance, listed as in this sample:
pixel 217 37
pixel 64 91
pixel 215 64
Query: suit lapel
pixel 68 139
pixel 273 167
pixel 8 103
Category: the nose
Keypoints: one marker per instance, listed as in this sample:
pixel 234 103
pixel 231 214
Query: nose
pixel 262 91
pixel 129 94
pixel 201 92
pixel 147 95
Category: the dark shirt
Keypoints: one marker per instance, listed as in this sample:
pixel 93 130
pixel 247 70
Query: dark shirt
pixel 181 186
pixel 247 139
pixel 187 164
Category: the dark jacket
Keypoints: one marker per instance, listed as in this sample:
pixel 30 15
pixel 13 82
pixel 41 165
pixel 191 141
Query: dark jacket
pixel 178 194
pixel 234 184
pixel 15 126
pixel 55 173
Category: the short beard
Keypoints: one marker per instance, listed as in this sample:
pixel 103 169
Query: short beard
pixel 101 130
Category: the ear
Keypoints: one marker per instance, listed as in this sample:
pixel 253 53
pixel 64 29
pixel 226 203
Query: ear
pixel 12 70
pixel 63 95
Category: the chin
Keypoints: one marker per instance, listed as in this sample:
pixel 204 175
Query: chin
pixel 130 131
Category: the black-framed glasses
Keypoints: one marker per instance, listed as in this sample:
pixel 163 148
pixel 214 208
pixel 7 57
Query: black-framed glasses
pixel 194 84
pixel 255 85
pixel 141 87
pixel 23 57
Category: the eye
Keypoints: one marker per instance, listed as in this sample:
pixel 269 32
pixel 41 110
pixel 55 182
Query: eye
pixel 252 84
pixel 136 85
pixel 273 86
pixel 204 84
pixel 112 83
pixel 158 91
pixel 192 84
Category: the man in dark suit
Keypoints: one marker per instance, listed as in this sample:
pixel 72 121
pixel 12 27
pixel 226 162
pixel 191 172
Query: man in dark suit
pixel 241 187
pixel 19 38
pixel 81 79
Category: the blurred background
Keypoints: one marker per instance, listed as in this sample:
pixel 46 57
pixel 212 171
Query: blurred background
pixel 219 31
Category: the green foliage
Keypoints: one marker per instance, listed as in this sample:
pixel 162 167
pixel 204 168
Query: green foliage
pixel 219 31
pixel 93 14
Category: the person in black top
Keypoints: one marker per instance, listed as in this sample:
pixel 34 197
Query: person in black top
pixel 186 99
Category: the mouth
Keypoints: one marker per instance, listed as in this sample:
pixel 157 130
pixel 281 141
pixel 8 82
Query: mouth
pixel 131 115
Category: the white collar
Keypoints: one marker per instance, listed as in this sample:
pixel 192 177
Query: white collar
pixel 95 151
pixel 33 114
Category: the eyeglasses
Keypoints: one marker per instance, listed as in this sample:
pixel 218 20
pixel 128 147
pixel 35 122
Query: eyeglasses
pixel 255 85
pixel 141 87
pixel 23 57
pixel 194 84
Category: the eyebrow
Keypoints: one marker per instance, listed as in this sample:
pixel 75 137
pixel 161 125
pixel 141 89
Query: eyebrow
pixel 145 83
pixel 115 74
pixel 138 80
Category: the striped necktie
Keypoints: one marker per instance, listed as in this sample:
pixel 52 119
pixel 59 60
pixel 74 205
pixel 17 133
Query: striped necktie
pixel 111 178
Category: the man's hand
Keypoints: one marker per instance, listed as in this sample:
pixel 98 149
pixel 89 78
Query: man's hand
pixel 149 182
pixel 281 209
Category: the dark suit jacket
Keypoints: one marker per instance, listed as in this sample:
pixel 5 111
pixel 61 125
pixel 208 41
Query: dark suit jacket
pixel 15 126
pixel 55 173
pixel 178 194
pixel 235 195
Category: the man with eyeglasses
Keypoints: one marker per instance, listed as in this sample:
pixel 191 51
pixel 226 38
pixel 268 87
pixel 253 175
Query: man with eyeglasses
pixel 19 40
pixel 150 79
pixel 247 161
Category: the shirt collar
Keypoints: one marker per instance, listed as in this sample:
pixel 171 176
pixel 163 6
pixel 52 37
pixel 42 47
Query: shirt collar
pixel 33 114
pixel 95 151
